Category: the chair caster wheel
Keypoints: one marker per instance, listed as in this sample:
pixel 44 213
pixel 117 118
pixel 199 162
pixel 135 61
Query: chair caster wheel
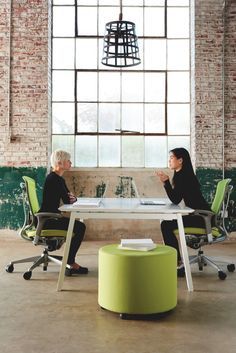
pixel 231 267
pixel 222 275
pixel 124 316
pixel 27 275
pixel 9 268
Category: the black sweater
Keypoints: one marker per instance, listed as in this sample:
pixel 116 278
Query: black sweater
pixel 186 189
pixel 54 191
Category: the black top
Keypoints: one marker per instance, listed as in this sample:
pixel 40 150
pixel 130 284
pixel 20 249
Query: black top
pixel 186 189
pixel 54 191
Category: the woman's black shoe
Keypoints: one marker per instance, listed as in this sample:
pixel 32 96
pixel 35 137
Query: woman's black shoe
pixel 79 271
pixel 181 272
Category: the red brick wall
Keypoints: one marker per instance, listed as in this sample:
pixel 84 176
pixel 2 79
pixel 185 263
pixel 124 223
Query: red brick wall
pixel 210 75
pixel 230 84
pixel 24 130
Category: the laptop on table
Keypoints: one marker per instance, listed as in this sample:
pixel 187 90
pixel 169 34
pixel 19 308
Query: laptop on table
pixel 90 201
pixel 146 201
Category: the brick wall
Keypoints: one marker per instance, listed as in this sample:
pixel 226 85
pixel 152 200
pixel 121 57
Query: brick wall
pixel 230 84
pixel 24 128
pixel 210 75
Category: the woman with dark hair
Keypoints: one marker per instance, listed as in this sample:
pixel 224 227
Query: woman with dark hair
pixel 184 187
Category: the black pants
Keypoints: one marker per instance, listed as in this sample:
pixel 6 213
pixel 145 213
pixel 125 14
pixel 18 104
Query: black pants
pixel 168 228
pixel 76 240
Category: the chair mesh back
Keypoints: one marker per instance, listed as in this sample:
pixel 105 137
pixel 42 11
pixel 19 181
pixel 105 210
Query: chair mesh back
pixel 31 193
pixel 221 191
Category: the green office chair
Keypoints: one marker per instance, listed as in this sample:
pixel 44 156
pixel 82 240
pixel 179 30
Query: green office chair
pixel 50 239
pixel 198 237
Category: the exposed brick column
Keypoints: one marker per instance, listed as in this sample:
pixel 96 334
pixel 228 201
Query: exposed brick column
pixel 208 64
pixel 29 121
pixel 4 75
pixel 230 84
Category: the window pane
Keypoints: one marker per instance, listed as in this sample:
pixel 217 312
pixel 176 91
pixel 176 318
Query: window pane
pixel 63 53
pixel 132 151
pixel 87 20
pixel 63 21
pixel 132 117
pixel 132 87
pixel 155 151
pixel 178 54
pixel 86 151
pixel 63 86
pixel 109 86
pixel 178 23
pixel 131 2
pixel 155 54
pixel 155 87
pixel 86 53
pixel 109 2
pixel 135 15
pixel 154 118
pixel 63 118
pixel 86 86
pixel 178 141
pixel 109 117
pixel 64 142
pixel 109 151
pixel 177 2
pixel 154 21
pixel 63 2
pixel 178 119
pixel 87 117
pixel 87 2
pixel 107 14
pixel 178 87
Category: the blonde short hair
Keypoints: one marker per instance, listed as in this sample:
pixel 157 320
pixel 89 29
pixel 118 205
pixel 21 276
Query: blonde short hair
pixel 59 156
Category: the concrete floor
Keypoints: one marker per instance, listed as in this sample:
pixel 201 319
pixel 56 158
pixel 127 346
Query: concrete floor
pixel 36 318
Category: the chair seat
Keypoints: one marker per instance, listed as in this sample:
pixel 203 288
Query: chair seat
pixel 199 231
pixel 48 233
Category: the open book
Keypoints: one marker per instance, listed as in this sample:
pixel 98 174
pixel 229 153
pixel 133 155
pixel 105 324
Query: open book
pixel 137 244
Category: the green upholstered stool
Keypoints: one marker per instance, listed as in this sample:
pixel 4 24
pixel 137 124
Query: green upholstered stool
pixel 137 282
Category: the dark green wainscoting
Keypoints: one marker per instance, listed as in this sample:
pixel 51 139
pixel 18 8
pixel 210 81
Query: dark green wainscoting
pixel 208 179
pixel 11 211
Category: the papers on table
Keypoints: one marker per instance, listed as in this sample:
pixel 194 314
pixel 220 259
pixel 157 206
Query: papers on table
pixel 137 244
pixel 87 202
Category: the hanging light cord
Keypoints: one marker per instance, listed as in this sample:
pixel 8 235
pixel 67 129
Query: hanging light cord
pixel 121 14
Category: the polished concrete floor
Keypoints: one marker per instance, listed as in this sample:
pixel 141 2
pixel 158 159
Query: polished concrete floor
pixel 35 318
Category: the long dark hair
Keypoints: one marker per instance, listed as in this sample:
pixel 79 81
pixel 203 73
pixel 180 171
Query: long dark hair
pixel 187 167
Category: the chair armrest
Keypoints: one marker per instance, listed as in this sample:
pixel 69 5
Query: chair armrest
pixel 48 215
pixel 42 217
pixel 207 217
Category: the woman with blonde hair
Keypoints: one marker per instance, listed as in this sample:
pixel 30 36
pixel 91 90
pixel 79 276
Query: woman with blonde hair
pixel 56 191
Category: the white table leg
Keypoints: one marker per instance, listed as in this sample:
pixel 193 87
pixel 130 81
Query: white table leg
pixel 184 253
pixel 66 251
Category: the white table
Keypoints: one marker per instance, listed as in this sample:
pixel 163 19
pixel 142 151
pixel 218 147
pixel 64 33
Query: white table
pixel 127 208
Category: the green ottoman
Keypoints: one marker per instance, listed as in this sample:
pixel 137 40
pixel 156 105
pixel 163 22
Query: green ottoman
pixel 137 282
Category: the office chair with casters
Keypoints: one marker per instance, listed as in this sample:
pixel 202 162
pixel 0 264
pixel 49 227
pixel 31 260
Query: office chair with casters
pixel 196 238
pixel 50 239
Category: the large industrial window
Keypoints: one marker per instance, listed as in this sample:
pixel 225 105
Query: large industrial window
pixel 92 102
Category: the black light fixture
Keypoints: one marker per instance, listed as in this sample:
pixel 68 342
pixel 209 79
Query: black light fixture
pixel 120 48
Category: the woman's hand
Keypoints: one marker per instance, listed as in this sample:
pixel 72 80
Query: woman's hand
pixel 162 176
pixel 72 197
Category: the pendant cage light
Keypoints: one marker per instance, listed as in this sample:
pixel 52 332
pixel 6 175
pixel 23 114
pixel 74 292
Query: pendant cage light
pixel 120 48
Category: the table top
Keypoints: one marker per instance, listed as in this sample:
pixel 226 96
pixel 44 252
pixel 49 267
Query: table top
pixel 128 205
